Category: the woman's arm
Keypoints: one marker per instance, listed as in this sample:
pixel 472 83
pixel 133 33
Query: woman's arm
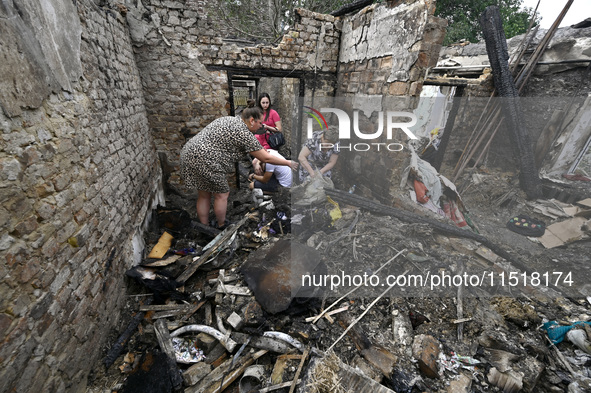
pixel 276 121
pixel 277 127
pixel 258 168
pixel 331 163
pixel 262 178
pixel 303 159
pixel 265 156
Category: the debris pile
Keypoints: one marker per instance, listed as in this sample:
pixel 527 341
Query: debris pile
pixel 231 310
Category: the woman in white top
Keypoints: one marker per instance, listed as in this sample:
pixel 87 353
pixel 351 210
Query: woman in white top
pixel 273 176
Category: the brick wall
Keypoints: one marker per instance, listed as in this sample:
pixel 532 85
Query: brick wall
pixel 183 61
pixel 78 174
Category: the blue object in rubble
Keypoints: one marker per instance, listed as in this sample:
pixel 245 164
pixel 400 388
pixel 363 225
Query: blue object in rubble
pixel 557 332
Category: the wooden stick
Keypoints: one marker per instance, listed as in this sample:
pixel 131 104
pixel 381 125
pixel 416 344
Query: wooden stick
pixel 338 310
pixel 354 289
pixel 193 310
pixel 462 320
pixel 298 372
pixel 166 307
pixel 355 246
pixel 361 316
pixel 235 290
pixel 121 343
pixel 460 304
pixel 563 360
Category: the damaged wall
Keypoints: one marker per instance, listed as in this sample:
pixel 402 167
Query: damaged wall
pixel 556 88
pixel 385 52
pixel 79 174
pixel 184 62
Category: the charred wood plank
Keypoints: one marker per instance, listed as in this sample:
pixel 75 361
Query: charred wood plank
pixel 496 48
pixel 206 229
pixel 451 230
pixel 166 346
pixel 121 342
pixel 352 7
pixel 214 246
pixel 166 307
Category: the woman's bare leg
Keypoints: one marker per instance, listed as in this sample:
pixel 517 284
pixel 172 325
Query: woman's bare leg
pixel 220 206
pixel 203 202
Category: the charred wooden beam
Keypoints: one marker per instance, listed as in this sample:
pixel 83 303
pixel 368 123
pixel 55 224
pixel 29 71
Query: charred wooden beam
pixel 496 48
pixel 206 229
pixel 166 346
pixel 215 245
pixel 121 342
pixel 409 217
pixel 352 7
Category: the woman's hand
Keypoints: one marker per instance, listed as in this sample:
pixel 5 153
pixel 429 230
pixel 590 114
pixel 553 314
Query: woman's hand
pixel 293 165
pixel 258 168
pixel 272 129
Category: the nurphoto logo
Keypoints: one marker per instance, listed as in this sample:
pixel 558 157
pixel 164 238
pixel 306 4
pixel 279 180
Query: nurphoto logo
pixel 393 120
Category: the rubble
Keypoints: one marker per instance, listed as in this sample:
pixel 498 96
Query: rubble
pixel 236 298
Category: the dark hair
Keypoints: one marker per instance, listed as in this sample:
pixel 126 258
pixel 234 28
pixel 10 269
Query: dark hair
pixel 251 110
pixel 261 96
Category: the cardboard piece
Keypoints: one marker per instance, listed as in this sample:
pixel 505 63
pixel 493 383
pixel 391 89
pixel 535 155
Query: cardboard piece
pixel 564 232
pixel 161 248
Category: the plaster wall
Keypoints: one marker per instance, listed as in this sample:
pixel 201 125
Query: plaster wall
pixel 384 54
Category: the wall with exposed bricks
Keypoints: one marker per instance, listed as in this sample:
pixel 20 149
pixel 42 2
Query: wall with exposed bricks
pixel 184 63
pixel 385 52
pixel 78 176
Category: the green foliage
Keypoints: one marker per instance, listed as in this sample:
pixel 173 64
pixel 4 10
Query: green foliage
pixel 463 18
pixel 265 20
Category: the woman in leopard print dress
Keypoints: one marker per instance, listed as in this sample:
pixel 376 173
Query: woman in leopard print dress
pixel 209 156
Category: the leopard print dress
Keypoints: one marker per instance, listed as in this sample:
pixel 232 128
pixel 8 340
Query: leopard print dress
pixel 210 155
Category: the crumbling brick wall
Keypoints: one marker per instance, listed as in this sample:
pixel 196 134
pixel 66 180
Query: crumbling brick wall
pixel 184 63
pixel 180 54
pixel 78 175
